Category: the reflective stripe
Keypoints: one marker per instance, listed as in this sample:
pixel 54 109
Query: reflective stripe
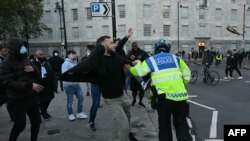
pixel 166 70
pixel 187 78
pixel 180 95
pixel 154 63
pixel 138 70
pixel 160 80
pixel 186 72
pixel 176 62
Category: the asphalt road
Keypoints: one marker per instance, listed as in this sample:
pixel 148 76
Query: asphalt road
pixel 212 107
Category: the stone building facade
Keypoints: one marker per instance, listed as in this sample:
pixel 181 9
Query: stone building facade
pixel 199 23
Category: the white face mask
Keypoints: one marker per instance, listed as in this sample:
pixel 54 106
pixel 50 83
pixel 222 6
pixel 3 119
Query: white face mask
pixel 23 50
pixel 56 54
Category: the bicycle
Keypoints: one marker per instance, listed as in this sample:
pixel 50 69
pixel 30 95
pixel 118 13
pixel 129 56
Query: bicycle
pixel 211 77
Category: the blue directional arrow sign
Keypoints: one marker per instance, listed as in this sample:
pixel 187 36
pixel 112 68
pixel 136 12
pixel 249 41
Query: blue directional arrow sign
pixel 99 9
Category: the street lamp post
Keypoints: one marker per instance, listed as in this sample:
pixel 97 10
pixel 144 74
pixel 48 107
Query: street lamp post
pixel 113 19
pixel 64 27
pixel 178 24
pixel 244 24
pixel 59 8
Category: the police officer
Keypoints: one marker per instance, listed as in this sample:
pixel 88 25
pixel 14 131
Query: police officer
pixel 169 75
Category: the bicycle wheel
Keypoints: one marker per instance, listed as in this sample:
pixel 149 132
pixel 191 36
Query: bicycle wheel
pixel 194 76
pixel 213 78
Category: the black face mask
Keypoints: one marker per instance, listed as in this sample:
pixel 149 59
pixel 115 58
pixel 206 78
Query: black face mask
pixel 41 59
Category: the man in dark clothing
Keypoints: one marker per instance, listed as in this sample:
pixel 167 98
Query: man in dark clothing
pixel 56 62
pixel 3 53
pixel 105 68
pixel 206 61
pixel 241 56
pixel 137 54
pixel 235 59
pixel 48 80
pixel 21 89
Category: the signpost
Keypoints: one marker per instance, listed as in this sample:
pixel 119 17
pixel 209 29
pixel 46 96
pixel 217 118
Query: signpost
pixel 99 9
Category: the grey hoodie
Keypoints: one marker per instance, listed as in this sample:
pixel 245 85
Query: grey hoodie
pixel 68 63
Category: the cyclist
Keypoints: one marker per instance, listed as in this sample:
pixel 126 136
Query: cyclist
pixel 207 59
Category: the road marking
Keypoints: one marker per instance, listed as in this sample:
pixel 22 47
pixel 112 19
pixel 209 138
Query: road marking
pixel 192 96
pixel 189 122
pixel 204 106
pixel 214 140
pixel 224 80
pixel 247 81
pixel 213 127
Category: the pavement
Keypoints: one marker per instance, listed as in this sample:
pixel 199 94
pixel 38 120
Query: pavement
pixel 144 123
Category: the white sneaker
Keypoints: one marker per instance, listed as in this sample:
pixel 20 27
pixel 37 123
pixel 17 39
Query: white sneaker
pixel 82 115
pixel 225 77
pixel 230 77
pixel 240 77
pixel 71 117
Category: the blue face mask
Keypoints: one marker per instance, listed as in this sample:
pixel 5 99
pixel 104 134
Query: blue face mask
pixel 23 50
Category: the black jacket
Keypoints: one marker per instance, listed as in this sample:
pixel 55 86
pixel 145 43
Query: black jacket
pixel 17 82
pixel 49 82
pixel 91 69
pixel 56 63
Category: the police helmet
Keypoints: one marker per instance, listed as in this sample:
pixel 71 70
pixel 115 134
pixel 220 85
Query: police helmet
pixel 162 45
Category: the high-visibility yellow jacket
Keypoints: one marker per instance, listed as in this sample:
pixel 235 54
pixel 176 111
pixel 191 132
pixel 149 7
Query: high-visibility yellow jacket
pixel 218 57
pixel 169 74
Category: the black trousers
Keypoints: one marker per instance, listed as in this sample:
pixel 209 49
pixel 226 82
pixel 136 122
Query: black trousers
pixel 18 109
pixel 235 67
pixel 179 111
pixel 44 106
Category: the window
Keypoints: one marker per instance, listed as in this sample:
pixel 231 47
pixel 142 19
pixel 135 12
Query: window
pixel 105 30
pixel 147 30
pixel 184 12
pixel 148 48
pixel 247 31
pixel 248 15
pixel 121 9
pixel 217 47
pixel 50 34
pixel 166 11
pixel 48 17
pixel 247 1
pixel 234 14
pixel 75 32
pixel 218 1
pixel 166 30
pixel 47 1
pixel 184 30
pixel 202 14
pixel 202 3
pixel 202 30
pixel 121 30
pixel 218 14
pixel 218 31
pixel 88 11
pixel 147 11
pixel 89 32
pixel 233 1
pixel 74 14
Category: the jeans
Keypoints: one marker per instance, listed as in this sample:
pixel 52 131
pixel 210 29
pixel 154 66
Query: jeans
pixel 71 90
pixel 96 97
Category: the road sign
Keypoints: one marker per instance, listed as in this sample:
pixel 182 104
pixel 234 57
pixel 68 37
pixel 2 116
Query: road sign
pixel 99 9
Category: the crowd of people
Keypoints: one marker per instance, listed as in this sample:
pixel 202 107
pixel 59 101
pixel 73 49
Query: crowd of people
pixel 29 87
